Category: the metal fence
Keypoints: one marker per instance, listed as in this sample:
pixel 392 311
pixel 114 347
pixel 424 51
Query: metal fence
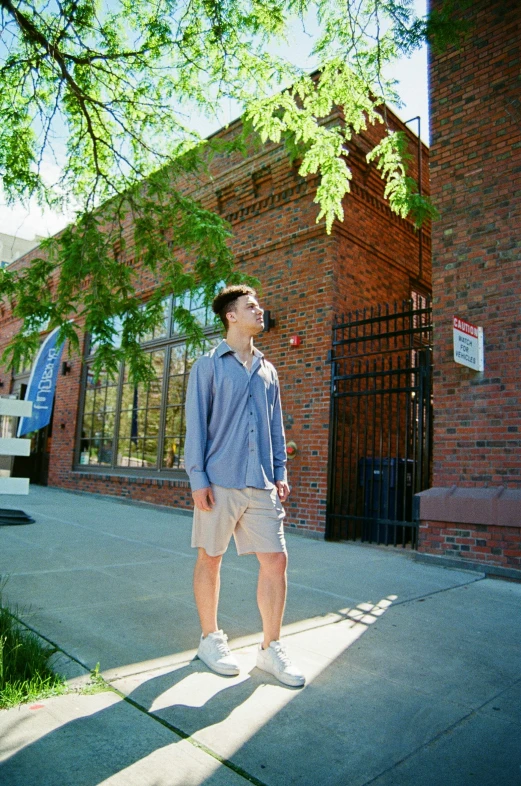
pixel 380 423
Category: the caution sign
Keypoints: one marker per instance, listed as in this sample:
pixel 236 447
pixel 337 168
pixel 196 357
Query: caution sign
pixel 468 344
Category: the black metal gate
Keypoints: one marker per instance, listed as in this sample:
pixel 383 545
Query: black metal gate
pixel 380 423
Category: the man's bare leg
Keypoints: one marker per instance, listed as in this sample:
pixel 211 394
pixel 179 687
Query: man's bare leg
pixel 207 583
pixel 271 594
pixel 271 597
pixel 213 649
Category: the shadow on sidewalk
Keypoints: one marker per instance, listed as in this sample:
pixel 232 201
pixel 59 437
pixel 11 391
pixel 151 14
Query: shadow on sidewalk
pixel 187 699
pixel 89 750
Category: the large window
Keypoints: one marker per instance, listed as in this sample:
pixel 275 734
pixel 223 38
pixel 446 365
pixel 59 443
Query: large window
pixel 128 427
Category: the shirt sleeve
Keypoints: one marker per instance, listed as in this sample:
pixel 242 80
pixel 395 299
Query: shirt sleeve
pixel 278 439
pixel 197 409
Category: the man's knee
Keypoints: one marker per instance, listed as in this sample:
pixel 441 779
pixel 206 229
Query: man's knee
pixel 207 561
pixel 275 563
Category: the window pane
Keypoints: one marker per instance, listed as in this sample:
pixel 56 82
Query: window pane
pixel 158 363
pixel 182 453
pixel 86 432
pixel 198 309
pixel 175 390
pixel 136 453
pixel 89 400
pixel 171 455
pixel 123 452
pixel 177 359
pixel 125 422
pixel 154 393
pixel 153 422
pixel 110 401
pixel 150 453
pixel 97 423
pixel 180 302
pixel 173 421
pixel 138 423
pixel 160 330
pixel 105 453
pixel 127 396
pixel 108 424
pixel 192 353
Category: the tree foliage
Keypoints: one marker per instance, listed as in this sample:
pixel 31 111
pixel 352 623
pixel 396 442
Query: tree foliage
pixel 105 90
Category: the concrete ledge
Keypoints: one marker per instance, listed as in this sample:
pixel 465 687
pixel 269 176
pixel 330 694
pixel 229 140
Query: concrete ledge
pixel 123 477
pixel 495 506
pixel 125 501
pixel 464 564
pixel 292 529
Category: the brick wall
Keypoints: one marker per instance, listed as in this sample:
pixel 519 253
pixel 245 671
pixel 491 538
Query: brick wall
pixel 307 277
pixel 489 545
pixel 476 185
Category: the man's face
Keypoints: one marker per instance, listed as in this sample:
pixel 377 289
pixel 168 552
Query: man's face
pixel 247 315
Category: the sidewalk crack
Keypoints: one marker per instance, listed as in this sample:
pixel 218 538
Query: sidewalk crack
pixel 480 577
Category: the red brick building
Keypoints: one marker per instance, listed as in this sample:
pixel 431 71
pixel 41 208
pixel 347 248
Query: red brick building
pixel 473 512
pixel 307 276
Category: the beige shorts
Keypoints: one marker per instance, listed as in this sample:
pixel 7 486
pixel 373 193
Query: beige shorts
pixel 253 516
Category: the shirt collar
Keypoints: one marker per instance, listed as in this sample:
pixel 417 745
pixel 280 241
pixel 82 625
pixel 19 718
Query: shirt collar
pixel 223 348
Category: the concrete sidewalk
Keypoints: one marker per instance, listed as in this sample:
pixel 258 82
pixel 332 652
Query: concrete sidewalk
pixel 414 671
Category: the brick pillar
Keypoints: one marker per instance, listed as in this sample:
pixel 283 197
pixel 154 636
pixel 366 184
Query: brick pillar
pixel 473 511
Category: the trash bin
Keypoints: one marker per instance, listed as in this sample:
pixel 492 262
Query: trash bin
pixel 388 494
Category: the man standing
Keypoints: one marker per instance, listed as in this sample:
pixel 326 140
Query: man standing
pixel 235 456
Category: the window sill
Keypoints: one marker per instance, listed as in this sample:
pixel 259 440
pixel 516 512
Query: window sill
pixel 175 481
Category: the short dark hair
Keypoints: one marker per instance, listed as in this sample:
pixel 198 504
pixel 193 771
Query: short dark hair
pixel 226 300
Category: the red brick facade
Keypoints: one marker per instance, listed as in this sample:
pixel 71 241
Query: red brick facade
pixel 307 278
pixel 491 546
pixel 476 185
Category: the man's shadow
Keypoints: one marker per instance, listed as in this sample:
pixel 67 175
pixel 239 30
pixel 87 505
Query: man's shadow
pixel 88 750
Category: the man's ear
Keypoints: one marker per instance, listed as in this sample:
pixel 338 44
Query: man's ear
pixel 231 316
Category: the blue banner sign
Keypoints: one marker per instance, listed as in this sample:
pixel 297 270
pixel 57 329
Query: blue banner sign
pixel 42 384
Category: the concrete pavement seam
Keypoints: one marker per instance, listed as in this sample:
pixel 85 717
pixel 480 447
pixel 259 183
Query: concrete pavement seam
pixel 196 744
pixel 481 577
pixel 119 537
pixel 50 641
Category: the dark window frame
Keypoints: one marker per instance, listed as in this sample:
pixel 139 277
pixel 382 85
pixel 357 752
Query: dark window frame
pixel 164 343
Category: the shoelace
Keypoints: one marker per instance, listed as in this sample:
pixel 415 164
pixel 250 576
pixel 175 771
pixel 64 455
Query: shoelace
pixel 222 646
pixel 281 654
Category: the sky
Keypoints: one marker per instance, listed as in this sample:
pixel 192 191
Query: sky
pixel 30 221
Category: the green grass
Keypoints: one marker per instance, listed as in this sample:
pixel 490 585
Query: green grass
pixel 24 671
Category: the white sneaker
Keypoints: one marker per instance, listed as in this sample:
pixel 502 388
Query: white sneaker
pixel 214 651
pixel 275 661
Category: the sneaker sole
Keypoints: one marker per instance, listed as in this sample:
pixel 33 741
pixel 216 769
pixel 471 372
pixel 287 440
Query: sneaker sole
pixel 231 672
pixel 291 682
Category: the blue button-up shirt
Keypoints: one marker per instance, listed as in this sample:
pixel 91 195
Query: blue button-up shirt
pixel 234 430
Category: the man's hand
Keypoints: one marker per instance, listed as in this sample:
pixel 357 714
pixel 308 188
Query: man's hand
pixel 283 490
pixel 203 498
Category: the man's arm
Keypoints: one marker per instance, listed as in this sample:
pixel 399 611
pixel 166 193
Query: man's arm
pixel 197 409
pixel 278 444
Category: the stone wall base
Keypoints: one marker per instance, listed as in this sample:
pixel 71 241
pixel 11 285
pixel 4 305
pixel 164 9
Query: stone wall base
pixel 472 525
pixel 494 571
